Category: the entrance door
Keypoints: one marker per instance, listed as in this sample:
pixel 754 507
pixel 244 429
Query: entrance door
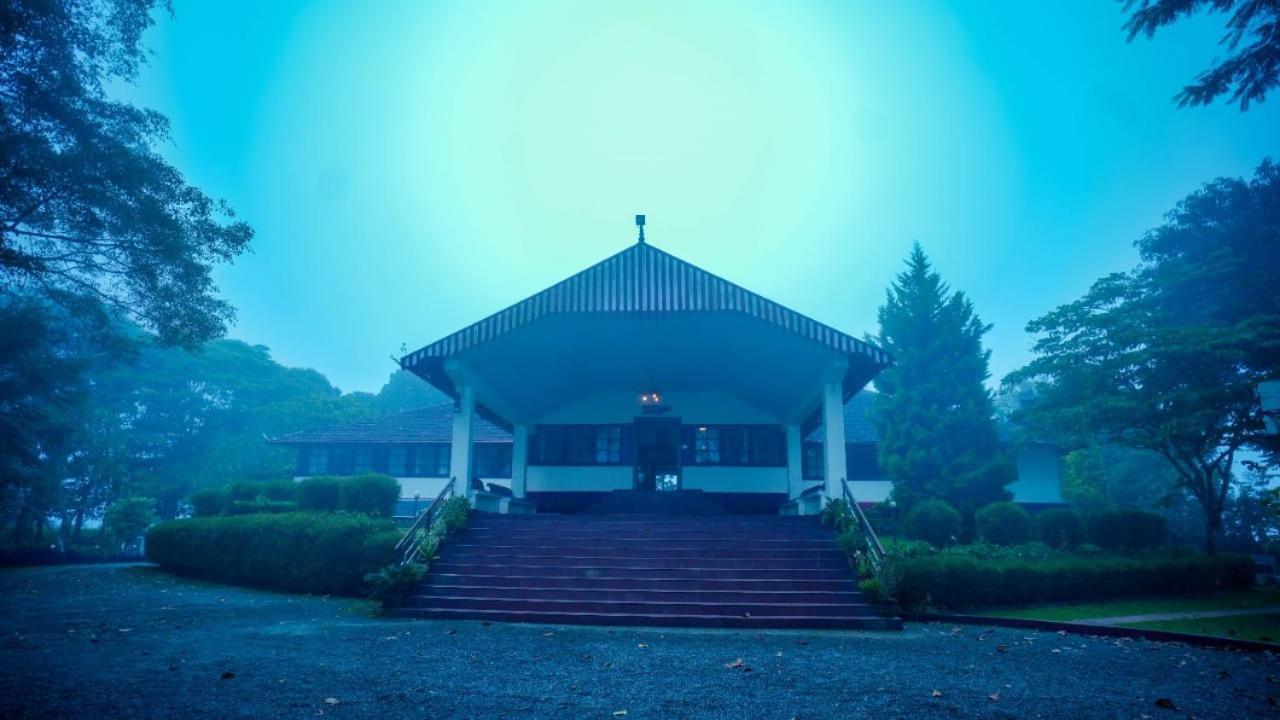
pixel 657 453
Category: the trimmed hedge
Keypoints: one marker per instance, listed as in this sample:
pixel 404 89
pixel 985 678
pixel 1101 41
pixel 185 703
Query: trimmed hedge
pixel 304 552
pixel 1127 530
pixel 1003 523
pixel 371 493
pixel 1060 527
pixel 959 582
pixel 934 521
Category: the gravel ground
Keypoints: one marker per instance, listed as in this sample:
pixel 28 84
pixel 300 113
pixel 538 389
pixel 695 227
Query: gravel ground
pixel 132 642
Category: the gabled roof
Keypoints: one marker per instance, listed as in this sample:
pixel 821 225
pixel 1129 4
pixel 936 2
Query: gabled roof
pixel 643 279
pixel 430 424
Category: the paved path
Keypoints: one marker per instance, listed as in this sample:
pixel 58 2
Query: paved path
pixel 1191 615
pixel 113 642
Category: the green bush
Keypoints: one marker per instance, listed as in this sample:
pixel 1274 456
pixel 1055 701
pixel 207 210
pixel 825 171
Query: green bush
pixel 208 502
pixel 321 553
pixel 1127 529
pixel 1003 523
pixel 454 514
pixel 320 493
pixel 371 494
pixel 838 515
pixel 1060 527
pixel 259 504
pixel 956 582
pixel 275 490
pixel 933 521
pixel 126 520
pixel 394 582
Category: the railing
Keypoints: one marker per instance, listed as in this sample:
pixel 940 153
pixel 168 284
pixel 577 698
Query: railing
pixel 408 546
pixel 875 551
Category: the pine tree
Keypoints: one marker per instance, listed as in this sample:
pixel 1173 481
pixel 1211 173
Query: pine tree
pixel 933 412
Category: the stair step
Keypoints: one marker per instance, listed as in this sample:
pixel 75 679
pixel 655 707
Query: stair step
pixel 624 619
pixel 595 594
pixel 684 550
pixel 640 582
pixel 833 562
pixel 644 608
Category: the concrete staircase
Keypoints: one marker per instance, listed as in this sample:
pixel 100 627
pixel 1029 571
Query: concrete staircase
pixel 697 571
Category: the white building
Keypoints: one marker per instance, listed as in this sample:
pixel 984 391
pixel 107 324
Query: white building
pixel 638 376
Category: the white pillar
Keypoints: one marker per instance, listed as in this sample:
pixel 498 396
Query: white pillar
pixel 795 462
pixel 833 436
pixel 460 450
pixel 519 458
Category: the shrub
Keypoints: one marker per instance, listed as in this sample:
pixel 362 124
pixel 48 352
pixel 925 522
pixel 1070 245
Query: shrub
pixel 393 582
pixel 933 521
pixel 127 519
pixel 208 502
pixel 1127 529
pixel 837 514
pixel 1060 527
pixel 320 493
pixel 322 553
pixel 276 490
pixel 956 582
pixel 371 494
pixel 1003 523
pixel 454 514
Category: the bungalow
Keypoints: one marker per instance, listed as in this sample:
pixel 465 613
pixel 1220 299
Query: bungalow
pixel 638 376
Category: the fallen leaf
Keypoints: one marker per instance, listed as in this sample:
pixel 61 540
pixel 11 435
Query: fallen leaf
pixel 642 645
pixel 331 701
pixel 734 665
pixel 936 693
pixel 485 623
pixel 228 675
pixel 619 713
pixel 450 631
pixel 1056 651
pixel 1165 703
pixel 746 668
pixel 1002 648
pixel 547 634
pixel 994 697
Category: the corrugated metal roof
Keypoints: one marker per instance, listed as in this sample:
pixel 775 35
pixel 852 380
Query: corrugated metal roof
pixel 643 279
pixel 430 424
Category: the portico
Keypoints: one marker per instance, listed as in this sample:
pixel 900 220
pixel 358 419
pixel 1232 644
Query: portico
pixel 644 372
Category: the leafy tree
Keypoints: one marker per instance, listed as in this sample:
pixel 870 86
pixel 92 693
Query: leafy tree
pixel 128 519
pixel 1100 477
pixel 88 209
pixel 933 412
pixel 1249 73
pixel 406 391
pixel 1167 357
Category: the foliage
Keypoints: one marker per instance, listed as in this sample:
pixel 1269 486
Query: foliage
pixel 370 493
pixel 1127 529
pixel 933 412
pixel 957 582
pixel 454 513
pixel 88 207
pixel 208 502
pixel 1101 477
pixel 322 493
pixel 1003 523
pixel 393 582
pixel 321 553
pixel 838 515
pixel 128 519
pixel 1060 527
pixel 406 391
pixel 934 521
pixel 1166 358
pixel 1249 73
pixel 852 544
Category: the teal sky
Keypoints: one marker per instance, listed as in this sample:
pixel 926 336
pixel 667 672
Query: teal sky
pixel 410 167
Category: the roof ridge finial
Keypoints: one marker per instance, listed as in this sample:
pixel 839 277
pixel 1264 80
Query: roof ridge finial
pixel 640 224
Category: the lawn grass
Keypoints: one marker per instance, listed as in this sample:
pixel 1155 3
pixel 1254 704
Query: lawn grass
pixel 1264 628
pixel 1066 612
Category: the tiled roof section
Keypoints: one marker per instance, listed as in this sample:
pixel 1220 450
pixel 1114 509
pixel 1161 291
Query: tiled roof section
pixel 857 420
pixel 430 424
pixel 643 278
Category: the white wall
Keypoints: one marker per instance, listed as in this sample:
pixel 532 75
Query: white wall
pixel 596 478
pixel 1039 475
pixel 691 407
pixel 870 491
pixel 734 479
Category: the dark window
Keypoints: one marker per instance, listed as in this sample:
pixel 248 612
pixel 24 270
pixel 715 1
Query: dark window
pixel 339 460
pixel 361 459
pixel 430 460
pixel 736 445
pixel 398 461
pixel 492 460
pixel 304 462
pixel 579 445
pixel 811 463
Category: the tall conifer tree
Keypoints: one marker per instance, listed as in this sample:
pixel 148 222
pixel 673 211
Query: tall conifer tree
pixel 933 412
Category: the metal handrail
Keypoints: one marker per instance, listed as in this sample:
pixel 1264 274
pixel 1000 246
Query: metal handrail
pixel 408 546
pixel 875 551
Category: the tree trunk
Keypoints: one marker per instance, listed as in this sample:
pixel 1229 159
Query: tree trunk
pixel 1212 524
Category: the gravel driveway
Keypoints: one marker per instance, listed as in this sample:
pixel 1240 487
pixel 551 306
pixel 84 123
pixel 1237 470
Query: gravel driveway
pixel 132 642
